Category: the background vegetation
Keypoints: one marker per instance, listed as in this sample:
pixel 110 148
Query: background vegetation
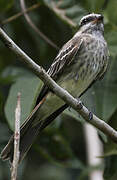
pixel 60 151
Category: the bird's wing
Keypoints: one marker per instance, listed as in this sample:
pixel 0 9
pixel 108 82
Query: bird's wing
pixel 65 58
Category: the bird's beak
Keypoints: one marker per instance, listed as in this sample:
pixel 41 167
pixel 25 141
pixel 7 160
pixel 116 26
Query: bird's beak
pixel 98 20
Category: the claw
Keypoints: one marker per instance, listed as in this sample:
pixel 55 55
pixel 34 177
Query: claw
pixel 80 104
pixel 90 115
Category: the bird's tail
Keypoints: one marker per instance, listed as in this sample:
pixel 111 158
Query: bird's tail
pixel 28 134
pixel 26 140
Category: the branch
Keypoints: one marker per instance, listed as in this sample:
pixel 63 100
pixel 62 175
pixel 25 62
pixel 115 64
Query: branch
pixel 16 140
pixel 29 21
pixel 63 94
pixel 12 18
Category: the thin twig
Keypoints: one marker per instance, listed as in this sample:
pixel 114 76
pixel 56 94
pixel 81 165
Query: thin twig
pixel 16 139
pixel 60 92
pixel 61 12
pixel 14 17
pixel 28 19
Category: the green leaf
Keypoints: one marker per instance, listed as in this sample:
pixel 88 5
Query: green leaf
pixel 110 172
pixel 6 4
pixel 52 172
pixel 111 38
pixel 112 11
pixel 29 86
pixel 110 148
pixel 106 93
pixel 93 5
pixel 54 147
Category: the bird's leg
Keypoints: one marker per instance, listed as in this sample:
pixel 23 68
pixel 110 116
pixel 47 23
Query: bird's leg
pixel 80 103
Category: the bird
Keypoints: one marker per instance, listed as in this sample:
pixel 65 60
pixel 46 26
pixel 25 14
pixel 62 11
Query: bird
pixel 79 64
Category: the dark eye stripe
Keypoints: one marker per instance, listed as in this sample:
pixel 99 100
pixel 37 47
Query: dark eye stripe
pixel 90 18
pixel 87 20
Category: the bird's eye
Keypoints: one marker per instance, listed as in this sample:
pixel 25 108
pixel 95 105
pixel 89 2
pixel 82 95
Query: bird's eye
pixel 85 21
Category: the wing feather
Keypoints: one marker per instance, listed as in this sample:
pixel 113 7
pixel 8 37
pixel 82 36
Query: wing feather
pixel 64 58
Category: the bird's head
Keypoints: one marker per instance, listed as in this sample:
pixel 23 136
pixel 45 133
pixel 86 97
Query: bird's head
pixel 91 23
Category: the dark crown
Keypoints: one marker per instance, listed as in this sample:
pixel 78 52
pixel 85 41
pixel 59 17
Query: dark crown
pixel 89 18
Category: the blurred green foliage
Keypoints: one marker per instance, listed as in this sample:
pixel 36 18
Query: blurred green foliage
pixel 60 149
